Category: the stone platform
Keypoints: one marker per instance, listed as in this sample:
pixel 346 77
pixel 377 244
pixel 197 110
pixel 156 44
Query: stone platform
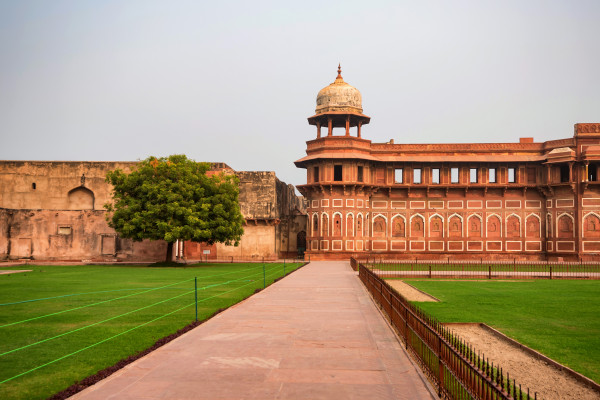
pixel 314 335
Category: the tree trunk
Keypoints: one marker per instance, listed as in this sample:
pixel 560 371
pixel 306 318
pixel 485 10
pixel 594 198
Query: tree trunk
pixel 169 252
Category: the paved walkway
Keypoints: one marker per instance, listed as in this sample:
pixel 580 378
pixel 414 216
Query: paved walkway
pixel 314 335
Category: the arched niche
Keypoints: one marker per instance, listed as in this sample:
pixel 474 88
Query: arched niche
pixel 81 198
pixel 533 226
pixel 591 225
pixel 379 226
pixel 337 224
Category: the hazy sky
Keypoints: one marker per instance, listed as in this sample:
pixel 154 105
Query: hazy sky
pixel 235 81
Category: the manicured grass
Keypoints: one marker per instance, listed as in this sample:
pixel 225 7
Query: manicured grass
pixel 98 293
pixel 560 319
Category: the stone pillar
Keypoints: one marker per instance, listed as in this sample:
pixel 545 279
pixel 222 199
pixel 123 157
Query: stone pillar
pixel 348 126
pixel 329 127
pixel 358 130
pixel 571 171
pixel 318 130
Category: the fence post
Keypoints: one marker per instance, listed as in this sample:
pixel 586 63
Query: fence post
pixel 430 272
pixel 196 295
pixel 489 272
pixel 440 366
pixel 551 272
pixel 264 277
pixel 284 267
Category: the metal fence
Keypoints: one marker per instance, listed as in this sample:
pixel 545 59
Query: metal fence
pixel 457 370
pixel 468 269
pixel 239 259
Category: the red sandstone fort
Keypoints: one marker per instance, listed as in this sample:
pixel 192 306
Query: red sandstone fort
pixel 521 200
pixel 526 200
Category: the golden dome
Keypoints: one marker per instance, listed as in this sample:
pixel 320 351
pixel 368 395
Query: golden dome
pixel 339 97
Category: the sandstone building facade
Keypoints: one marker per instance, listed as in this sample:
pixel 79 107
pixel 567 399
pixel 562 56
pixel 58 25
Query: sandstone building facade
pixel 53 210
pixel 525 200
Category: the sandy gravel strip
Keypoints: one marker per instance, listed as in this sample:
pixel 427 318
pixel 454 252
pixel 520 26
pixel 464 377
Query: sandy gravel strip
pixel 537 374
pixel 6 272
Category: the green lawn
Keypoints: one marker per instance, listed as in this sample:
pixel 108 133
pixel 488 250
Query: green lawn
pixel 60 324
pixel 560 319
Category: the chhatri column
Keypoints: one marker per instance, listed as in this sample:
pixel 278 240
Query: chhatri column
pixel 318 130
pixel 348 125
pixel 329 127
pixel 358 130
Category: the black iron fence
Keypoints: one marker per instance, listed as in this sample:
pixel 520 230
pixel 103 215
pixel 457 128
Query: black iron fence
pixel 457 370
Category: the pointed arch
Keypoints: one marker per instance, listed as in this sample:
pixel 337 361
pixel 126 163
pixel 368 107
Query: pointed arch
pixel 493 224
pixel 324 224
pixel 350 225
pixel 398 225
pixel 336 224
pixel 591 225
pixel 513 225
pixel 455 225
pixel 379 227
pixel 436 226
pixel 474 225
pixel 359 225
pixel 564 225
pixel 315 224
pixel 417 225
pixel 533 226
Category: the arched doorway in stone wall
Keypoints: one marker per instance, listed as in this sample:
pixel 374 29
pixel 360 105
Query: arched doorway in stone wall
pixel 301 243
pixel 80 198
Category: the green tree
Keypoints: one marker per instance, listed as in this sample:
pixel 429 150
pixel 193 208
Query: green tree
pixel 173 198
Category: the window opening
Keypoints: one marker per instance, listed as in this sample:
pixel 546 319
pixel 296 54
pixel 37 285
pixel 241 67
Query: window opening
pixel 564 173
pixel 64 230
pixel 592 172
pixel 337 173
pixel 492 175
pixel 398 178
pixel 417 175
pixel 316 174
pixel 435 175
pixel 360 174
pixel 473 175
pixel 33 186
pixel 512 177
pixel 454 175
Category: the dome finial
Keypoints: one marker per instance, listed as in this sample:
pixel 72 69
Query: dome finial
pixel 339 71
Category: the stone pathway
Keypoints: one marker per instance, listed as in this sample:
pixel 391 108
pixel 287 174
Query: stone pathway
pixel 314 335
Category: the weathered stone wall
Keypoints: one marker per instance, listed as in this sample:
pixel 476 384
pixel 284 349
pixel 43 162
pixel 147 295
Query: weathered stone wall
pixel 258 241
pixel 56 185
pixel 69 235
pixel 53 210
pixel 258 197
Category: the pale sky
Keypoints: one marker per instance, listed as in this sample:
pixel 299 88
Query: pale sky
pixel 234 81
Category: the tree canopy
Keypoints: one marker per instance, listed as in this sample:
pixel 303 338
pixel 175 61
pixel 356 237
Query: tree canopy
pixel 173 198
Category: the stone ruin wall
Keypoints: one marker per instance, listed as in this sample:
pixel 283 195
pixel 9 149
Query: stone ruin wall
pixel 53 210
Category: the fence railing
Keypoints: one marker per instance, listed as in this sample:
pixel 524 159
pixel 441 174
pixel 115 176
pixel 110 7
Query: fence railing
pixel 455 368
pixel 205 258
pixel 468 269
